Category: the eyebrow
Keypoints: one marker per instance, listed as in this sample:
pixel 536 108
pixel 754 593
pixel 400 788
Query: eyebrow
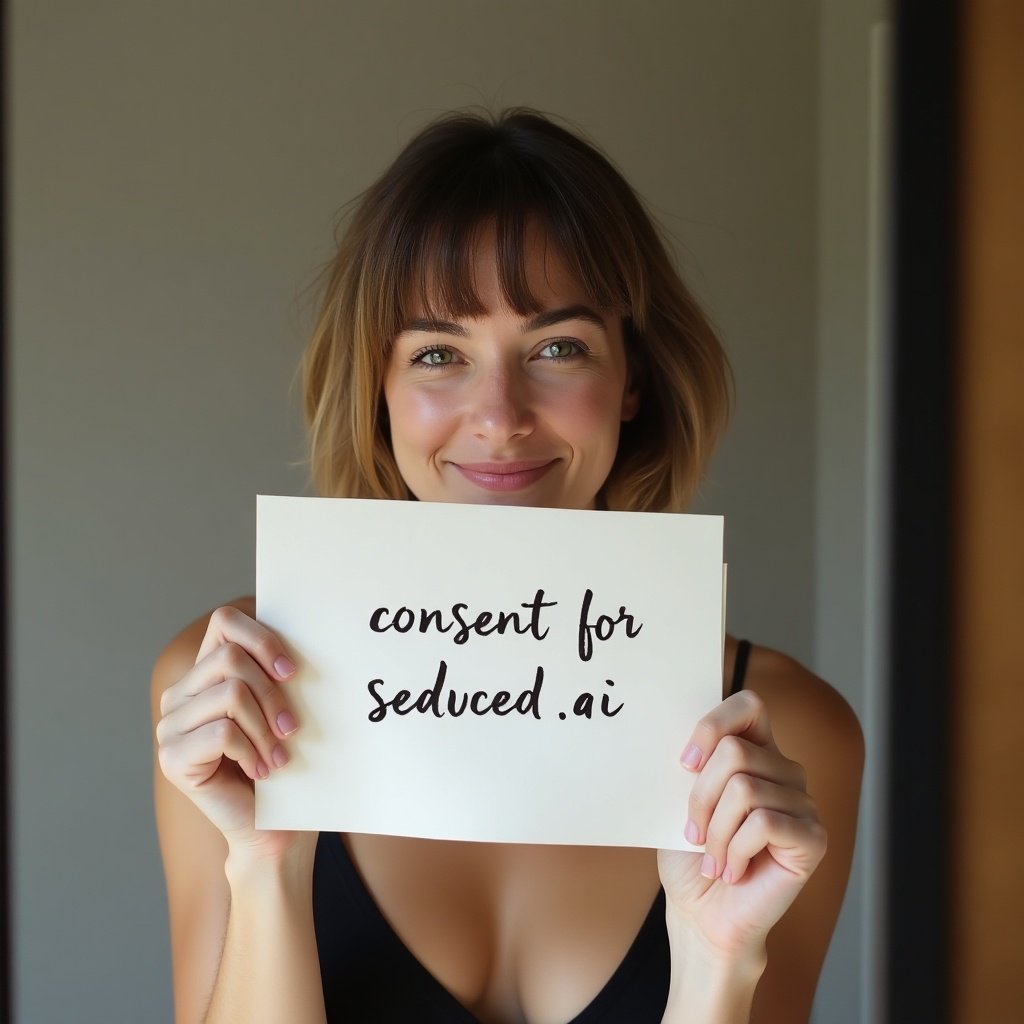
pixel 548 318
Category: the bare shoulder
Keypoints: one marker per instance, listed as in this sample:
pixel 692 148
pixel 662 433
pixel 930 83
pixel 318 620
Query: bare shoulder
pixel 805 711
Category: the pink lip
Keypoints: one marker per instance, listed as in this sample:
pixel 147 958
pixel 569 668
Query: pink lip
pixel 504 476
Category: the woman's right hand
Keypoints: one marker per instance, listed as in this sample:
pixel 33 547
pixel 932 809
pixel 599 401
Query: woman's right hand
pixel 223 725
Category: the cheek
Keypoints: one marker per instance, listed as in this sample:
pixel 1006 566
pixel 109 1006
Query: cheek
pixel 420 417
pixel 591 409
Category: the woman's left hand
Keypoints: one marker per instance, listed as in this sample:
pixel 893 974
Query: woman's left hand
pixel 762 834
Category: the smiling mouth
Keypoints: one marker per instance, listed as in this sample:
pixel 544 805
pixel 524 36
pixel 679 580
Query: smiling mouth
pixel 504 476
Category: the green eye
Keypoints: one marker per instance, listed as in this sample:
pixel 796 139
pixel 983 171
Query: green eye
pixel 562 349
pixel 435 357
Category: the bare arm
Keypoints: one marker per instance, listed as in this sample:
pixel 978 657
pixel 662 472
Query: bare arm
pixel 779 770
pixel 242 938
pixel 818 729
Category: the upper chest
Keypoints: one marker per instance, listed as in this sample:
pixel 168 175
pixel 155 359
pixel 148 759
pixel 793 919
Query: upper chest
pixel 517 934
pixel 514 933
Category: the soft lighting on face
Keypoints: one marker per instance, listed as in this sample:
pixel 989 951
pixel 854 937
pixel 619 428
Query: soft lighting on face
pixel 508 409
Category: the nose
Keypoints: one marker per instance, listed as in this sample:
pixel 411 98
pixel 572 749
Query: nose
pixel 501 408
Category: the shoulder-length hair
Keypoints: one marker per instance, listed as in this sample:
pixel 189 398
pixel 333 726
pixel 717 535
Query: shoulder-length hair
pixel 410 240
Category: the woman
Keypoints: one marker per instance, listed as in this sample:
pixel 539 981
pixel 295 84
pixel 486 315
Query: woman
pixel 502 324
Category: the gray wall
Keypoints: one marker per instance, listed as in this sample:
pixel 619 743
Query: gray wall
pixel 175 172
pixel 850 486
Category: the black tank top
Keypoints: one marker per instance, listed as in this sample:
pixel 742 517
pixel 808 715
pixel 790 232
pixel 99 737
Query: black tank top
pixel 369 974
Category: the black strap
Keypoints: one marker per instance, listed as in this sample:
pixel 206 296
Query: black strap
pixel 740 668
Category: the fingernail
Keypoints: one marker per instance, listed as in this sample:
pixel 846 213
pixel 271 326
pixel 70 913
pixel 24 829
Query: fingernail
pixel 283 666
pixel 286 722
pixel 261 770
pixel 279 756
pixel 691 757
pixel 707 866
pixel 691 832
pixel 727 876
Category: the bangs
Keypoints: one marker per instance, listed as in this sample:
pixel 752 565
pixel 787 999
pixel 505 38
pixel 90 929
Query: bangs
pixel 492 191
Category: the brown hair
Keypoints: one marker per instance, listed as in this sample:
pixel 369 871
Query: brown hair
pixel 412 234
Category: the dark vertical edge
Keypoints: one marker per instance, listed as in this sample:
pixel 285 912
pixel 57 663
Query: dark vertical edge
pixel 921 537
pixel 6 1001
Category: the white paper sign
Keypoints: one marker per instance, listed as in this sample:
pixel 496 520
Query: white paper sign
pixel 487 673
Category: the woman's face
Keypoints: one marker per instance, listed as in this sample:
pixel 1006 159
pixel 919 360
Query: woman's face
pixel 508 410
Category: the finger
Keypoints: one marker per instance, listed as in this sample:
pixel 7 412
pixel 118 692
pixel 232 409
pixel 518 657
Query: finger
pixel 230 699
pixel 232 661
pixel 228 661
pixel 743 795
pixel 735 756
pixel 743 714
pixel 194 758
pixel 795 843
pixel 229 625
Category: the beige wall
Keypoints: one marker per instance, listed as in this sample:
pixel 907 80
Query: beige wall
pixel 175 170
